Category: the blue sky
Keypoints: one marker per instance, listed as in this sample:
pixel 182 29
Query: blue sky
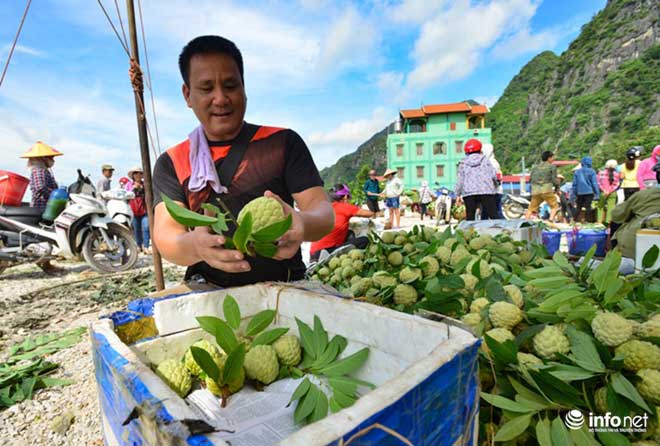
pixel 335 71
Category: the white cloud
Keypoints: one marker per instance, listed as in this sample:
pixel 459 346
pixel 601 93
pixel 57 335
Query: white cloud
pixel 488 100
pixel 352 132
pixel 348 42
pixel 525 42
pixel 390 82
pixel 21 49
pixel 415 11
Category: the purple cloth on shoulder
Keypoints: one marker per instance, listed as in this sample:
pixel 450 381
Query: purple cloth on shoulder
pixel 202 166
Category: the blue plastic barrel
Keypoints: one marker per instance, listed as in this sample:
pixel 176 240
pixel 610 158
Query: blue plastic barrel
pixel 582 241
pixel 551 241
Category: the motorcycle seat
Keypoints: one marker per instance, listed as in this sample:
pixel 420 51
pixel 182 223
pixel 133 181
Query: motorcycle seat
pixel 24 214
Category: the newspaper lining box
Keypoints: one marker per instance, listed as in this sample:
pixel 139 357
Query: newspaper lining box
pixel 425 372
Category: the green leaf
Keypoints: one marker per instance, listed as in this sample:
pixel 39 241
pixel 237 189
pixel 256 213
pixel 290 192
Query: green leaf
pixel 28 386
pixel 556 300
pixel 259 322
pixel 347 365
pixel 584 351
pixel 343 399
pixel 504 403
pixel 265 249
pixel 650 257
pixel 184 216
pixel 242 233
pixel 222 332
pixel 513 428
pixel 586 260
pixel 300 391
pixel 234 365
pixel 549 283
pixel 329 355
pixel 613 439
pixel 570 373
pixel 232 312
pixel 334 405
pixel 560 260
pixel 505 352
pixel 274 231
pixel 543 432
pixel 320 409
pixel 205 362
pixel 545 271
pixel 623 387
pixel 582 437
pixel 344 386
pixel 528 394
pixel 46 381
pixel 306 338
pixel 355 381
pixel 559 433
pixel 306 404
pixel 269 336
pixel 320 336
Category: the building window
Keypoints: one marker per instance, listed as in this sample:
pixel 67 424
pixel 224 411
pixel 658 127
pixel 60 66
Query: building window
pixel 399 150
pixel 459 146
pixel 417 126
pixel 473 122
pixel 452 126
pixel 420 149
pixel 420 171
pixel 439 148
pixel 440 170
pixel 399 172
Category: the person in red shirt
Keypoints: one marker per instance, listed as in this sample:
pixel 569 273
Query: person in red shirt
pixel 339 235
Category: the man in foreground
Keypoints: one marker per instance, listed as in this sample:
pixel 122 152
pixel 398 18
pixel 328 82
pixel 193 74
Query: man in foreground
pixel 275 162
pixel 544 184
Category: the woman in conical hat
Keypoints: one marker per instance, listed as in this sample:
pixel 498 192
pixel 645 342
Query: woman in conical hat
pixel 41 158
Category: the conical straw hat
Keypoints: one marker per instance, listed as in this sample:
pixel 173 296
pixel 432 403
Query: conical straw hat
pixel 40 149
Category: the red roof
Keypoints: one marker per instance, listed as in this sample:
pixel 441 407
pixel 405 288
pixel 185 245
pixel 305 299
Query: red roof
pixel 435 109
pixel 414 113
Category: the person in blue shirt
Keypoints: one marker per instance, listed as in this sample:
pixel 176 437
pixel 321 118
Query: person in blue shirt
pixel 372 191
pixel 585 189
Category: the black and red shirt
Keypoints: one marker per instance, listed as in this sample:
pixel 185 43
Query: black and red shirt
pixel 277 160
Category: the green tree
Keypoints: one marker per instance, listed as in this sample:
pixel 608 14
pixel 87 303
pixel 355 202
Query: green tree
pixel 356 186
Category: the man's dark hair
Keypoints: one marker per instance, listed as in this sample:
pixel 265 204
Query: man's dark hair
pixel 545 156
pixel 208 45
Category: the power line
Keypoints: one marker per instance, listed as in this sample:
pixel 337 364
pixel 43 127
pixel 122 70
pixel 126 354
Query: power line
pixel 13 45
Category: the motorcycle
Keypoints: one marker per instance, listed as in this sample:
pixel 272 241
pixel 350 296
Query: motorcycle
pixel 443 206
pixel 116 200
pixel 514 207
pixel 82 228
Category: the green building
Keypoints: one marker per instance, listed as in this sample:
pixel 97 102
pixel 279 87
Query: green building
pixel 428 142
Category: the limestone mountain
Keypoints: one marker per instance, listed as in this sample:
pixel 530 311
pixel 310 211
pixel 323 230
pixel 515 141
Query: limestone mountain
pixel 599 97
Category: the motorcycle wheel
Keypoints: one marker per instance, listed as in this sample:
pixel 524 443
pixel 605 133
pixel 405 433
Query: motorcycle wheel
pixel 105 260
pixel 513 211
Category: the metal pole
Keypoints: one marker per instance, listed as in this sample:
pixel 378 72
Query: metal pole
pixel 144 146
pixel 523 180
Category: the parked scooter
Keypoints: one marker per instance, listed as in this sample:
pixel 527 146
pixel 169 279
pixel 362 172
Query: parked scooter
pixel 83 227
pixel 443 206
pixel 116 200
pixel 515 206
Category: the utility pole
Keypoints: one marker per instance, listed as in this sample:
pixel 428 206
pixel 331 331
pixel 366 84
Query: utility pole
pixel 144 146
pixel 523 180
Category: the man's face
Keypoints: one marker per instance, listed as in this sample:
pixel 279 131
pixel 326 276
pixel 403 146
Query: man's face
pixel 551 159
pixel 216 95
pixel 107 173
pixel 372 173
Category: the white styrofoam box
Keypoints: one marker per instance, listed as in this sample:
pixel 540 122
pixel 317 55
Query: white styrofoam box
pixel 519 230
pixel 645 239
pixel 404 350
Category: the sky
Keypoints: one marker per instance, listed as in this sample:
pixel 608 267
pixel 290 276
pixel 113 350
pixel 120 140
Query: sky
pixel 334 71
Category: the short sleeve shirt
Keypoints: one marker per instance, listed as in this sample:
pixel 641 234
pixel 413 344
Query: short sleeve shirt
pixel 343 213
pixel 277 160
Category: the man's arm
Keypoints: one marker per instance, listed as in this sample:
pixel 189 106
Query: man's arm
pixel 315 219
pixel 183 247
pixel 364 213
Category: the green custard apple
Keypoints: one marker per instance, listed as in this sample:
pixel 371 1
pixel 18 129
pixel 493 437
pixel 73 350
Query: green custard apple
pixel 409 275
pixel 504 314
pixel 515 295
pixel 479 304
pixel 527 360
pixel 211 349
pixel 443 254
pixel 176 375
pixel 551 341
pixel 405 294
pixel 649 385
pixel 430 266
pixel 264 210
pixel 261 364
pixel 288 350
pixel 611 329
pixel 395 258
pixel 639 355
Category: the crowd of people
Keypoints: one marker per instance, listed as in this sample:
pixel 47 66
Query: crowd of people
pixel 42 183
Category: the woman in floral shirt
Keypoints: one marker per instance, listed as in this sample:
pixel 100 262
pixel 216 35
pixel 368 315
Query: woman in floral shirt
pixel 41 158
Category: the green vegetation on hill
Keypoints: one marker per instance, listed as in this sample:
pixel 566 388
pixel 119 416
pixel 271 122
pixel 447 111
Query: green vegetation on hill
pixel 598 98
pixel 372 153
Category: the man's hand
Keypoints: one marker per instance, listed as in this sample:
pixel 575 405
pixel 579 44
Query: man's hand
pixel 289 243
pixel 209 247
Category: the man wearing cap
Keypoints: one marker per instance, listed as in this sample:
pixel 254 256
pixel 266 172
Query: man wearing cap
pixel 340 233
pixel 104 183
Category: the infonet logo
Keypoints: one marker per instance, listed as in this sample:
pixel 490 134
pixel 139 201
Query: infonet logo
pixel 606 423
